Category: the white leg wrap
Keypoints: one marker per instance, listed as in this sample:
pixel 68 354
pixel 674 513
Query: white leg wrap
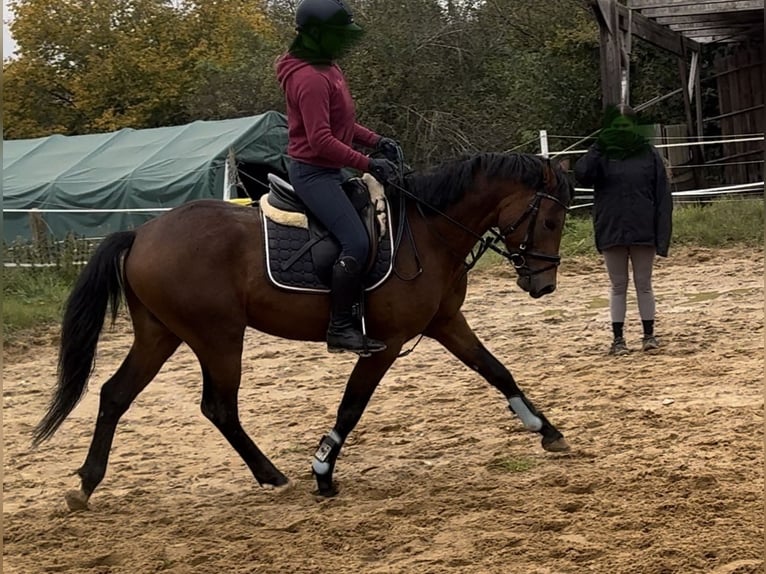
pixel 528 418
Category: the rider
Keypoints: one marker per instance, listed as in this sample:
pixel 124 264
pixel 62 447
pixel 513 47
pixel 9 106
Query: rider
pixel 322 128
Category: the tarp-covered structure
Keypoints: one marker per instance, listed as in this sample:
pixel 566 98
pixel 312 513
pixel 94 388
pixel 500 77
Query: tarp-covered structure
pixel 91 185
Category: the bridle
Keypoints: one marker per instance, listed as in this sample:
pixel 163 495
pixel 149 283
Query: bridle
pixel 518 257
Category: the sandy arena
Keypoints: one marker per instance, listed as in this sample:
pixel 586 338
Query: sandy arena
pixel 665 475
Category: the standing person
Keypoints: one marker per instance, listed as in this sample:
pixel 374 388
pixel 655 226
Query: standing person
pixel 322 128
pixel 632 216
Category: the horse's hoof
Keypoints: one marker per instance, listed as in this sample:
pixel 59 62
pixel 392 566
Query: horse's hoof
pixel 76 500
pixel 558 445
pixel 281 487
pixel 327 489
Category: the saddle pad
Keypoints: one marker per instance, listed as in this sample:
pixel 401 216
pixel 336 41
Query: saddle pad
pixel 282 242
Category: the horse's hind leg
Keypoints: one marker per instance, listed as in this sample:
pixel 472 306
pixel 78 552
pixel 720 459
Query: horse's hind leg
pixel 221 374
pixel 153 345
pixel 458 338
pixel 364 379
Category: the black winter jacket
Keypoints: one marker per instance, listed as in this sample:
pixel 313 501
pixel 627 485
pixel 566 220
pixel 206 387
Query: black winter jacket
pixel 632 200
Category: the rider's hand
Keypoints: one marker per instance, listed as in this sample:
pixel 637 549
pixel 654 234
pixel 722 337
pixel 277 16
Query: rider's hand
pixel 390 149
pixel 383 170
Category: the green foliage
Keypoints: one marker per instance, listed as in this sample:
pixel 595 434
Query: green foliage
pixel 33 298
pixel 578 236
pixel 720 223
pixel 443 77
pixel 88 67
pixel 35 288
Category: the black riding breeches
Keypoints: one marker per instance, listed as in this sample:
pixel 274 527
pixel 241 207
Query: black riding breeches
pixel 320 189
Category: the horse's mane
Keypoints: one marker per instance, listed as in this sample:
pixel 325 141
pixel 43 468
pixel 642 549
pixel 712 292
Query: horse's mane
pixel 446 184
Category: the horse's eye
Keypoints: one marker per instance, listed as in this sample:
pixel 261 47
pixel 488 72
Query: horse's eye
pixel 549 224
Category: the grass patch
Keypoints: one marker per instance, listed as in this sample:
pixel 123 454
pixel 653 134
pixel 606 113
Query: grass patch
pixel 577 238
pixel 598 303
pixel 511 464
pixel 721 223
pixel 33 298
pixel 553 312
pixel 703 296
pixel 34 291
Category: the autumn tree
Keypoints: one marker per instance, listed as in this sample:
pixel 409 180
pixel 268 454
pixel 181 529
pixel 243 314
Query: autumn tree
pixel 98 66
pixel 442 76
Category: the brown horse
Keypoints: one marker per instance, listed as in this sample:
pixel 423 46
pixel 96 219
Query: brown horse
pixel 197 275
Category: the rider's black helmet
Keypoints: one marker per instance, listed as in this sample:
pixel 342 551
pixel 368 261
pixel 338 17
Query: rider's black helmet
pixel 323 13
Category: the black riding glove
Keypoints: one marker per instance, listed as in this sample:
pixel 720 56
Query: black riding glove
pixel 390 149
pixel 383 170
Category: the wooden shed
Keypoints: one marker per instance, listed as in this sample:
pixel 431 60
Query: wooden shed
pixel 682 28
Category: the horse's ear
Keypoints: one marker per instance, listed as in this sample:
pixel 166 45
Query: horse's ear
pixel 564 164
pixel 549 175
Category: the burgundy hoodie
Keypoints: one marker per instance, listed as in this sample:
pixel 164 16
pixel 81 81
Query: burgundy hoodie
pixel 321 118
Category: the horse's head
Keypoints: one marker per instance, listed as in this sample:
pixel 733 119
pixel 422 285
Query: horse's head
pixel 531 227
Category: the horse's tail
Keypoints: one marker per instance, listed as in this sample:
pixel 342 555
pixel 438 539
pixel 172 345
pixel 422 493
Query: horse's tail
pixel 99 284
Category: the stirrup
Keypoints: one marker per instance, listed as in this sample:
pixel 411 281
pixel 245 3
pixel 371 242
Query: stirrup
pixel 366 349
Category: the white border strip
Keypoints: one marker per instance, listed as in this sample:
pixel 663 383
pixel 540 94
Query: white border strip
pixel 129 210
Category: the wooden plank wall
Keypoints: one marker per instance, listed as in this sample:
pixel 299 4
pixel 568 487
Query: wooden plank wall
pixel 682 178
pixel 740 98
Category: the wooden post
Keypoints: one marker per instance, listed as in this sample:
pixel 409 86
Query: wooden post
pixel 696 156
pixel 609 49
pixel 698 106
pixel 38 229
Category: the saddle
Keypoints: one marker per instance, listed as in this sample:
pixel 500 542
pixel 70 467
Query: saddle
pixel 300 252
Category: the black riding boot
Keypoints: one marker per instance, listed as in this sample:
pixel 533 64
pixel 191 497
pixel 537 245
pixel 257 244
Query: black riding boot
pixel 342 334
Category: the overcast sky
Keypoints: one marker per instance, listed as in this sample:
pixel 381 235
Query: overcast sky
pixel 8 44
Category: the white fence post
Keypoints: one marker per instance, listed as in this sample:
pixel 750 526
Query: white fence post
pixel 544 143
pixel 229 181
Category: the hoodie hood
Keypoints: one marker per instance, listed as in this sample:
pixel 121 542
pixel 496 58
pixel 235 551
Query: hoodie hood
pixel 287 65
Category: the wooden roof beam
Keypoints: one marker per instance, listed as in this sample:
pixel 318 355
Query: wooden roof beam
pixel 726 38
pixel 685 8
pixel 746 17
pixel 721 27
pixel 657 35
pixel 720 32
pixel 700 4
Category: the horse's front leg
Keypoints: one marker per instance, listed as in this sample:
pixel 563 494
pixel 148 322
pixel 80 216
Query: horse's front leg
pixel 361 385
pixel 458 338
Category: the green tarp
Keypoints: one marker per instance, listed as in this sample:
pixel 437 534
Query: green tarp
pixel 128 170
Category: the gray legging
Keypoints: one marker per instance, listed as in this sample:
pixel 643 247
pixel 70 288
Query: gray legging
pixel 320 189
pixel 642 260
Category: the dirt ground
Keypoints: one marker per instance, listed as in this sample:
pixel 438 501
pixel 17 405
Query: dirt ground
pixel 665 476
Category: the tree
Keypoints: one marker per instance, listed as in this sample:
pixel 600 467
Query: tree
pixel 234 64
pixel 98 66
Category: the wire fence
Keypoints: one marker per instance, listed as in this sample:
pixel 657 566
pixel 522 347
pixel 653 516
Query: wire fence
pixel 46 252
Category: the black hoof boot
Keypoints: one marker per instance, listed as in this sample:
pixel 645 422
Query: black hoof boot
pixel 323 465
pixel 326 486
